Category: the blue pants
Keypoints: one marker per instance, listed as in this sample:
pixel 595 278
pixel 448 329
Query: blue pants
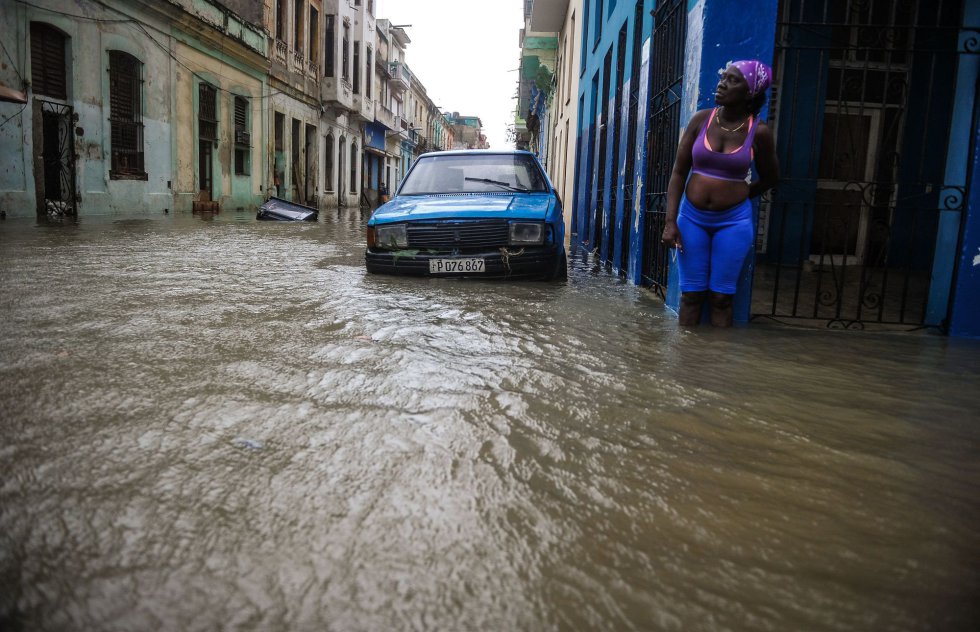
pixel 715 246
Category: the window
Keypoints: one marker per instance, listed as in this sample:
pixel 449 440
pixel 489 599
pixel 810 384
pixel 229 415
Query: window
pixel 280 130
pixel 328 164
pixel 353 167
pixel 585 37
pixel 345 63
pixel 48 65
pixel 298 26
pixel 125 116
pixel 329 46
pixel 281 20
pixel 314 34
pixel 295 148
pixel 207 113
pixel 569 57
pixel 368 73
pixel 243 139
pixel 357 68
pixel 597 26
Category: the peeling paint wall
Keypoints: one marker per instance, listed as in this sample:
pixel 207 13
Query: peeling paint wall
pixel 564 111
pixel 89 41
pixel 233 191
pixel 162 36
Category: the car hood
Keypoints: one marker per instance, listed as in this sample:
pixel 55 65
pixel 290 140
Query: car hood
pixel 473 206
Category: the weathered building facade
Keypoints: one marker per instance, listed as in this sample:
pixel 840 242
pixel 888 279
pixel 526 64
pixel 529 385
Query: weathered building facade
pixel 293 108
pixel 874 221
pixel 201 105
pixel 467 132
pixel 107 126
pixel 548 92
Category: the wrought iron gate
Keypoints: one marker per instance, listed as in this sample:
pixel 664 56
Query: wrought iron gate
pixel 862 108
pixel 666 79
pixel 58 151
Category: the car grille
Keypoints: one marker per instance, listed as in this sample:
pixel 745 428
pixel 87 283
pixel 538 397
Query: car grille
pixel 477 234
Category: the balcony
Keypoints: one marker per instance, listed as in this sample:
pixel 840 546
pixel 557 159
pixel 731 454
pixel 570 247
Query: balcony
pixel 281 52
pixel 337 92
pixel 385 116
pixel 404 129
pixel 401 77
pixel 364 108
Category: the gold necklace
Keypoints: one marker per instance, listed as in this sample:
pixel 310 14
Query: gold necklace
pixel 718 121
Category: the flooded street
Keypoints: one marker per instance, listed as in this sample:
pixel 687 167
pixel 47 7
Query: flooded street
pixel 226 424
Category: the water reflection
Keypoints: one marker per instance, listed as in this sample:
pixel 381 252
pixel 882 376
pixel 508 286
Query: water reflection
pixel 228 425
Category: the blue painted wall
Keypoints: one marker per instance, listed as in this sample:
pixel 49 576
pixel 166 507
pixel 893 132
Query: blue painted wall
pixel 719 32
pixel 964 311
pixel 603 22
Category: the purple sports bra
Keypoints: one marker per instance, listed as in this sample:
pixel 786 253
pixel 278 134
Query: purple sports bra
pixel 733 166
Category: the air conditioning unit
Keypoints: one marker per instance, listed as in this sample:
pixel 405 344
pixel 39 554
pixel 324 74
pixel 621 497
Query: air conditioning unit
pixel 243 138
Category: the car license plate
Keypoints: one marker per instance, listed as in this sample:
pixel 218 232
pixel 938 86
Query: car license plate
pixel 455 266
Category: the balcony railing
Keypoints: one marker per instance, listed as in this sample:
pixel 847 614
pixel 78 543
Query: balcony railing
pixel 401 76
pixel 281 51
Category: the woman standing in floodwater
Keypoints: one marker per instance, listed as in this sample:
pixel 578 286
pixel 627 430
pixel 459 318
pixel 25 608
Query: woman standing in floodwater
pixel 709 213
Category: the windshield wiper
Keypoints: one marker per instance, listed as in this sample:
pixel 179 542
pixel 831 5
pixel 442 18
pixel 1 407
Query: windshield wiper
pixel 499 184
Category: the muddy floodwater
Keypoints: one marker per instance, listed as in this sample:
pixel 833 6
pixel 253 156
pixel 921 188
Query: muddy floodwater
pixel 223 424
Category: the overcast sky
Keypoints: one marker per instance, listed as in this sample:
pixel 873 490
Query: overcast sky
pixel 465 53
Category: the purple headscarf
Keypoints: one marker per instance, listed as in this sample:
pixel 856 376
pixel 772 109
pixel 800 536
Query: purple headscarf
pixel 756 73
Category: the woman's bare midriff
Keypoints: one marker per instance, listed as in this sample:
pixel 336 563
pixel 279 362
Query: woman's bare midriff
pixel 712 194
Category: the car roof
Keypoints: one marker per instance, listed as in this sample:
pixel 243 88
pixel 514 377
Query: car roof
pixel 481 152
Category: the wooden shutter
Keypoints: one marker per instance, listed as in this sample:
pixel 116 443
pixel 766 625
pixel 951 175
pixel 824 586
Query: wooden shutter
pixel 48 65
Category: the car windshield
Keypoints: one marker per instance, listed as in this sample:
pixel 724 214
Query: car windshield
pixel 475 173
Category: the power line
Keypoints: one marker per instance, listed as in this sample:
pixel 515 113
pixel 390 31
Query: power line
pixel 13 116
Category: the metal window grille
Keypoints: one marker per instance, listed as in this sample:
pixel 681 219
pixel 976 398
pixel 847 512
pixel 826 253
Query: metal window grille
pixel 125 114
pixel 663 130
pixel 207 116
pixel 865 101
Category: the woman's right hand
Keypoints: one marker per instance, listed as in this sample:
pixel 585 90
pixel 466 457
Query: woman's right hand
pixel 672 236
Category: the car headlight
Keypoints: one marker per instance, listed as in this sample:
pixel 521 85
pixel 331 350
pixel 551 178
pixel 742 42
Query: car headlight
pixel 526 233
pixel 394 236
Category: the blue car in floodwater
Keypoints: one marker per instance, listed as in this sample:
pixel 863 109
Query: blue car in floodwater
pixel 474 213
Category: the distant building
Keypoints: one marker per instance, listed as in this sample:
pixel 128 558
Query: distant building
pixel 467 132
